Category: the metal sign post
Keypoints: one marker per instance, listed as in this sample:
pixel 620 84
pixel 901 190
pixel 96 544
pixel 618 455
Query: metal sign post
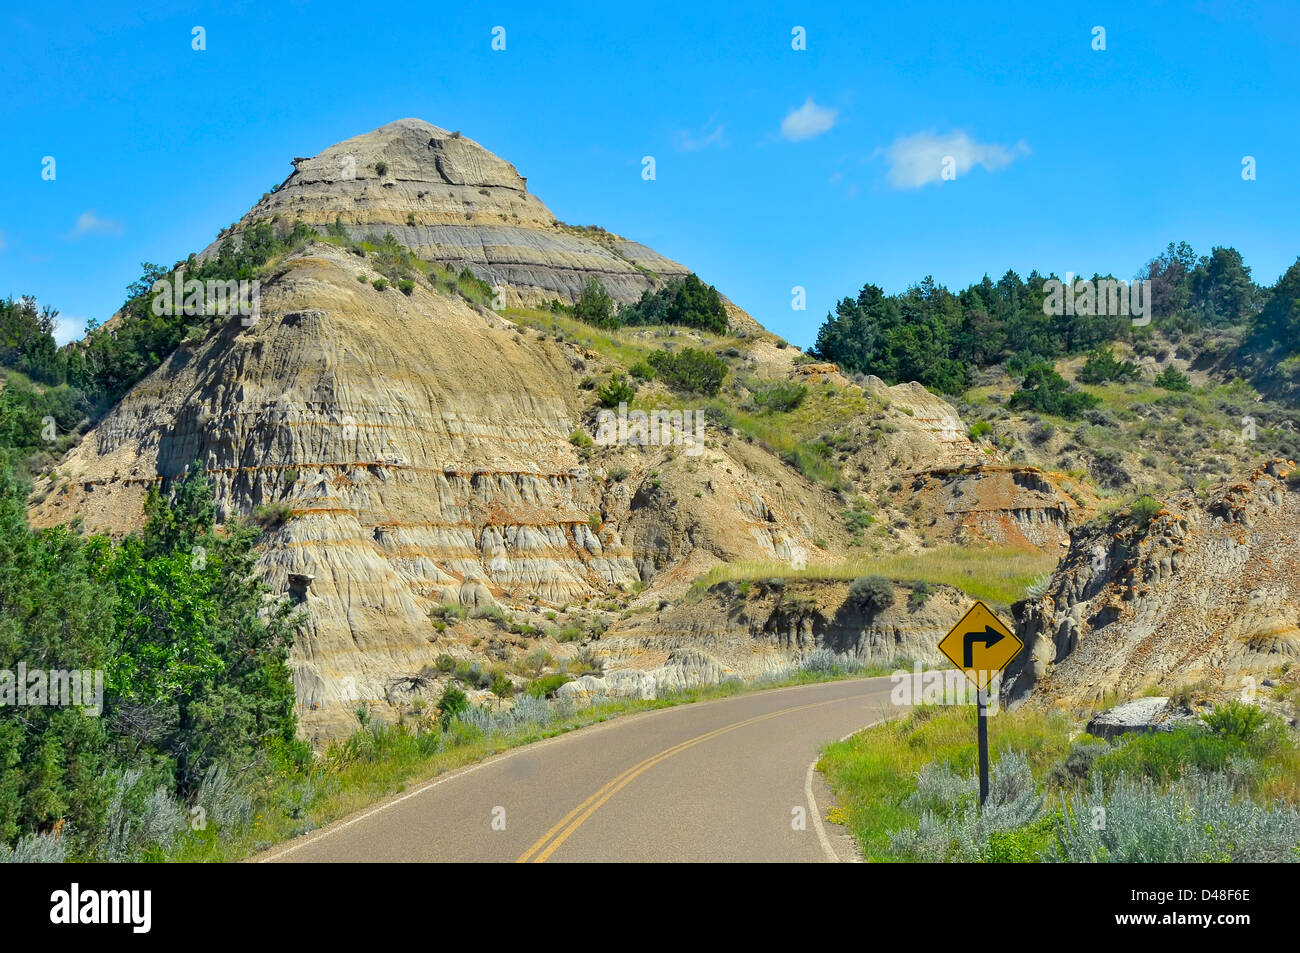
pixel 981 645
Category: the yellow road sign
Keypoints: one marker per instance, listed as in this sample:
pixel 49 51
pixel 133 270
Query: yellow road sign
pixel 980 645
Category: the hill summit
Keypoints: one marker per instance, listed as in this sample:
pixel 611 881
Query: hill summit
pixel 452 201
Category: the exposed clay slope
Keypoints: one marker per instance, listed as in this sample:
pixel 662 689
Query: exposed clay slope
pixel 763 627
pixel 423 448
pixel 1206 592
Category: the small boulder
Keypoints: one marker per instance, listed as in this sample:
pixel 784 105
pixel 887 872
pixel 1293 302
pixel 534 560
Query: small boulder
pixel 1140 716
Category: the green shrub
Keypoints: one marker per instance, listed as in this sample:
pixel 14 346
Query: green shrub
pixel 1197 819
pixel 690 370
pixel 380 284
pixel 1079 760
pixel 642 370
pixel 920 595
pixel 405 286
pixel 1046 391
pixel 1162 756
pixel 953 828
pixel 494 613
pixel 452 703
pixel 547 685
pixel 270 515
pixel 381 167
pixel 1260 732
pixel 570 633
pixel 595 306
pixel 1101 366
pixel 873 593
pixel 617 391
pixel 1171 378
pixel 1143 510
pixel 501 686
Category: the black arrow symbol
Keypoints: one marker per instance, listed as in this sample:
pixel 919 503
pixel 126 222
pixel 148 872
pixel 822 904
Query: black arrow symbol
pixel 990 636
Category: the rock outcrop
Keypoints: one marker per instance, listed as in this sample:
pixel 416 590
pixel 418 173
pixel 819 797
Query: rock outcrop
pixel 1139 716
pixel 420 450
pixel 451 201
pixel 1195 591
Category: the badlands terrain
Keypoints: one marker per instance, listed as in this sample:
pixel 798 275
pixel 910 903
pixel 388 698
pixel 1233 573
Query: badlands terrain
pixel 423 448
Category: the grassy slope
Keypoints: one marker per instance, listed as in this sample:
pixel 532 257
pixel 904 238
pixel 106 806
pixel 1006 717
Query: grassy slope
pixel 874 772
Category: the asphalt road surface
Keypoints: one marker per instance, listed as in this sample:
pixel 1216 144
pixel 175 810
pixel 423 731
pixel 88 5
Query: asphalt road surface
pixel 726 780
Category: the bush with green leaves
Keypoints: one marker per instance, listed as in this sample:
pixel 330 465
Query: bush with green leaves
pixel 1258 730
pixel 617 390
pixel 690 370
pixel 546 686
pixel 1171 378
pixel 872 593
pixel 1163 756
pixel 452 703
pixel 1047 392
pixel 1102 366
pixel 1143 510
pixel 595 306
pixel 919 595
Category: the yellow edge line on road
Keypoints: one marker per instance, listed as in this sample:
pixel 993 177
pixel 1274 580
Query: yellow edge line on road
pixel 593 803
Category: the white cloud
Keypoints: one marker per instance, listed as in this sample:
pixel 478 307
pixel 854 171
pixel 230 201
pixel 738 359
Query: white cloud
pixel 88 223
pixel 808 121
pixel 710 135
pixel 918 160
pixel 68 329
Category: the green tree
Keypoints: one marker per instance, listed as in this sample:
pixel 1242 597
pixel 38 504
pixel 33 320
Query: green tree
pixel 200 660
pixel 595 306
pixel 56 612
pixel 1221 289
pixel 1171 378
pixel 1048 392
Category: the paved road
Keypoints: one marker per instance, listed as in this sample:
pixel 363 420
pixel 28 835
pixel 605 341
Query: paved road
pixel 716 781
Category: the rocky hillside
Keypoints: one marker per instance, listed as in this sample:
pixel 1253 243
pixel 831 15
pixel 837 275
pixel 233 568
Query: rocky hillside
pixel 453 202
pixel 1197 591
pixel 432 473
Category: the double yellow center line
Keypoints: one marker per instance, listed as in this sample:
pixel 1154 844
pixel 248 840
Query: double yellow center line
pixel 549 842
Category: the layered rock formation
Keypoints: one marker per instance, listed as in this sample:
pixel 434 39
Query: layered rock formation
pixel 408 451
pixel 764 627
pixel 1204 592
pixel 422 449
pixel 451 201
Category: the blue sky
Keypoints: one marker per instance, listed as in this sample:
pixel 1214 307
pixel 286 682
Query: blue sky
pixel 774 167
